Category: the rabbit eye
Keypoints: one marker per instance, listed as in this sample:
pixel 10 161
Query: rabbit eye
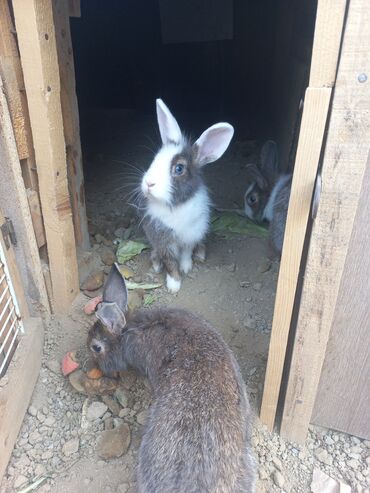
pixel 96 348
pixel 179 169
pixel 253 199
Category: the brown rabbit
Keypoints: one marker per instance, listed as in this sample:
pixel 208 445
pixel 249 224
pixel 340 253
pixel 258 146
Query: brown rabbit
pixel 197 437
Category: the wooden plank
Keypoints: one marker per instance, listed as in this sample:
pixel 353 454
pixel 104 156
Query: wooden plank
pixel 14 275
pixel 307 159
pixel 328 34
pixel 11 73
pixel 343 397
pixel 74 8
pixel 346 154
pixel 36 215
pixel 37 44
pixel 16 394
pixel 71 122
pixel 309 146
pixel 14 204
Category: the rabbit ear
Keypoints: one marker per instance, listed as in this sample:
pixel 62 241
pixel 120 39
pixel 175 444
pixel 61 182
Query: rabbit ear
pixel 269 159
pixel 112 309
pixel 255 174
pixel 168 126
pixel 213 143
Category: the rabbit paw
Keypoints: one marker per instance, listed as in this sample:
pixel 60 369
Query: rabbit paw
pixel 173 285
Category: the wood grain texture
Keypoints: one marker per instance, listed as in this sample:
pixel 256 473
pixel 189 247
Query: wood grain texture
pixel 14 204
pixel 74 8
pixel 36 215
pixel 11 73
pixel 343 397
pixel 345 159
pixel 37 44
pixel 328 34
pixel 307 159
pixel 15 396
pixel 71 122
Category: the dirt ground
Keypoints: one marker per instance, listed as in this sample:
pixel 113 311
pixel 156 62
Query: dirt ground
pixel 60 440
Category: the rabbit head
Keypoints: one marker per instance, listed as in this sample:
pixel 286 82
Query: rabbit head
pixel 175 173
pixel 104 338
pixel 261 182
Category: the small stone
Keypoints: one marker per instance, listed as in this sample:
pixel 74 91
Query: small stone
pixel 112 404
pixel 353 463
pixel 114 443
pixel 142 417
pixel 47 455
pixel 119 232
pixel 96 410
pixel 40 416
pixel 107 255
pixel 231 267
pixel 124 412
pixel 54 366
pixel 94 281
pixel 49 421
pixel 20 480
pixel 76 379
pixel 40 470
pixel 122 397
pixel 262 474
pixel 328 440
pixel 244 284
pixel 277 463
pixel 257 286
pixel 109 424
pixel 323 456
pixel 32 411
pixel 264 266
pixel 123 488
pixel 71 447
pixel 278 479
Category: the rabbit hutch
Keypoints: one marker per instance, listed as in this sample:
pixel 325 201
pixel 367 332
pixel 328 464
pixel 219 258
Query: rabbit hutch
pixel 79 84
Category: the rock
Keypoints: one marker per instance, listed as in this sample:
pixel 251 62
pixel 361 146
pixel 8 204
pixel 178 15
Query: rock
pixel 94 281
pixel 264 266
pixel 328 440
pixel 123 488
pixel 142 417
pixel 20 480
pixel 76 379
pixel 71 447
pixel 124 412
pixel 277 463
pixel 135 299
pixel 353 463
pixel 53 365
pixel 119 232
pixel 278 479
pixel 257 286
pixel 109 423
pixel 107 255
pixel 96 410
pixel 92 294
pixel 41 417
pixel 40 470
pixel 49 421
pixel 244 284
pixel 323 456
pixel 231 267
pixel 47 455
pixel 121 396
pixel 114 443
pixel 32 411
pixel 262 474
pixel 112 404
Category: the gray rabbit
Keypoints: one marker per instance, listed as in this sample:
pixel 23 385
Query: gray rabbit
pixel 267 195
pixel 197 436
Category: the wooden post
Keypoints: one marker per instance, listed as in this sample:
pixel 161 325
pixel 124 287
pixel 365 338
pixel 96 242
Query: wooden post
pixel 71 122
pixel 328 31
pixel 346 154
pixel 14 205
pixel 37 44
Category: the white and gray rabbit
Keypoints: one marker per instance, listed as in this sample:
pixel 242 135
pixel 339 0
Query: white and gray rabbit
pixel 197 435
pixel 267 195
pixel 177 204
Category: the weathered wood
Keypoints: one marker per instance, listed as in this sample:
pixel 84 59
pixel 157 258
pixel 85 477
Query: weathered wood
pixel 344 164
pixel 14 204
pixel 71 122
pixel 343 397
pixel 307 159
pixel 11 73
pixel 328 34
pixel 37 44
pixel 74 8
pixel 308 152
pixel 36 215
pixel 16 394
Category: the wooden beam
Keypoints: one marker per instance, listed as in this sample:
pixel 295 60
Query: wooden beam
pixel 11 73
pixel 17 393
pixel 74 8
pixel 14 205
pixel 345 159
pixel 36 215
pixel 37 44
pixel 313 123
pixel 71 122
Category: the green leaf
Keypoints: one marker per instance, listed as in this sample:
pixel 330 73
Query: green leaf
pixel 127 249
pixel 149 299
pixel 228 222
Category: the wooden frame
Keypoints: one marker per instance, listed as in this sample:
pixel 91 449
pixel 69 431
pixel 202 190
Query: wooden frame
pixel 328 32
pixel 37 44
pixel 345 160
